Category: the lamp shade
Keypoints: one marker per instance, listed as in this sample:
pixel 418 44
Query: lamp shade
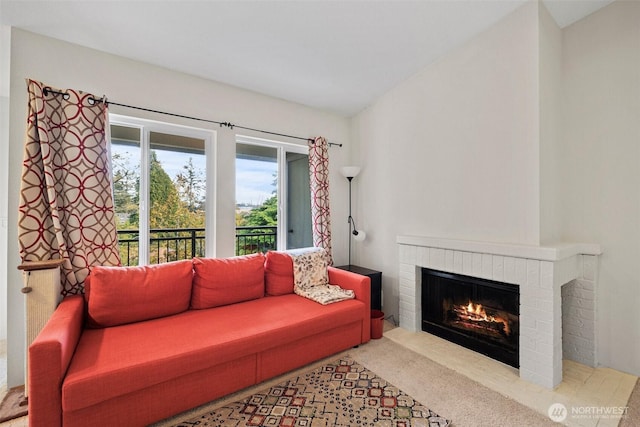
pixel 350 171
pixel 360 236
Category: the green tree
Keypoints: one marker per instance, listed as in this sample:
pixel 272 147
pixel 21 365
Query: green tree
pixel 125 190
pixel 190 185
pixel 178 204
pixel 257 240
pixel 241 218
pixel 167 210
pixel 265 214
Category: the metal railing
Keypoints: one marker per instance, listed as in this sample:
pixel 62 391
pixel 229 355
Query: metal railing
pixel 185 243
pixel 250 240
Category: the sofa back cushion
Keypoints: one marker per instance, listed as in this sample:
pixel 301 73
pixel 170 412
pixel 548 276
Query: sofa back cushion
pixel 119 295
pixel 278 273
pixel 223 281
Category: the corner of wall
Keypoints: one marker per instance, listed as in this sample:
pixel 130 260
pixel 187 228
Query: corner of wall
pixel 5 84
pixel 549 101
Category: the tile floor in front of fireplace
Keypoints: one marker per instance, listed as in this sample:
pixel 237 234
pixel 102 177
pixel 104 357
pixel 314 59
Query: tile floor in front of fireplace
pixel 582 387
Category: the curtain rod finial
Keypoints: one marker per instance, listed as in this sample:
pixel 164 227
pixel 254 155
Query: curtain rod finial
pixel 227 124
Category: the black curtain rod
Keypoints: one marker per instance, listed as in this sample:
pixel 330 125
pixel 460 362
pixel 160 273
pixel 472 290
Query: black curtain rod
pixel 93 100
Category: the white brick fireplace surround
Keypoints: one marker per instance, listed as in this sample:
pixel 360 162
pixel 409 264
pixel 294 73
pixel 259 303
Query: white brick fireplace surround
pixel 557 291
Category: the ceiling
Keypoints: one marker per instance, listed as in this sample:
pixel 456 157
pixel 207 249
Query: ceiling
pixel 337 56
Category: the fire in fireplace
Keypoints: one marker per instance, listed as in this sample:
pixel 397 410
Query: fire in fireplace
pixel 479 314
pixel 474 317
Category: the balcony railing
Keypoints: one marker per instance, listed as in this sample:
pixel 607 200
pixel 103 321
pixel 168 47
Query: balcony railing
pixel 250 240
pixel 185 243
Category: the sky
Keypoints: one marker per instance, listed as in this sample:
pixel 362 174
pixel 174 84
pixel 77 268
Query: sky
pixel 254 179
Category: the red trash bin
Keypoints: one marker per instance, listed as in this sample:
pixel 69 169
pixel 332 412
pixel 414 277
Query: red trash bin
pixel 377 324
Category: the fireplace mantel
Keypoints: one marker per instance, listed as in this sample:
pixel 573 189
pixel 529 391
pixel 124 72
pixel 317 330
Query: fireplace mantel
pixel 555 252
pixel 556 282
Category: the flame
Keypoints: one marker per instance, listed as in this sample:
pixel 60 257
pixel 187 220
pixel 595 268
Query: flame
pixel 476 312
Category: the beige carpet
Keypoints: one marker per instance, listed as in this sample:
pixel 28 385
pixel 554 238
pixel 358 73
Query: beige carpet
pixel 444 391
pixel 447 393
pixel 632 418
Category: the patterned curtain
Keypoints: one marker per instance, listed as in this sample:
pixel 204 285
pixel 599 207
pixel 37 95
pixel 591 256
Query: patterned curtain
pixel 66 203
pixel 319 177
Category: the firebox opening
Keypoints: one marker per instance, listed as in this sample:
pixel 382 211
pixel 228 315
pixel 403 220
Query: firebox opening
pixel 480 314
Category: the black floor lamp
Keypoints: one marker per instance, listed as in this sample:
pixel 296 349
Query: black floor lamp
pixel 351 172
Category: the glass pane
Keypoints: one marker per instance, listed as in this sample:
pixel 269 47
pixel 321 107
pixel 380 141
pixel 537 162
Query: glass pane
pixel 256 199
pixel 177 178
pixel 125 158
pixel 298 202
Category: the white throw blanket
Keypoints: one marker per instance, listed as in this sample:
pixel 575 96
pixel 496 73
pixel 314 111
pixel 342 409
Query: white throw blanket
pixel 311 277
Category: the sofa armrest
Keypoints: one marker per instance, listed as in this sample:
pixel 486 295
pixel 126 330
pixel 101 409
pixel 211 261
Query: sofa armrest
pixel 49 358
pixel 361 286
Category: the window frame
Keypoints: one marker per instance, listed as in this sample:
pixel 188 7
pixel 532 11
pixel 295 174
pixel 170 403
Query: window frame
pixel 281 191
pixel 145 127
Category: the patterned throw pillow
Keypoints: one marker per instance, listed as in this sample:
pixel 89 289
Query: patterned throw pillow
pixel 310 268
pixel 311 277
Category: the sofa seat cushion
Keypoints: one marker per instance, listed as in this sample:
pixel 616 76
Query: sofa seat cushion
pixel 114 361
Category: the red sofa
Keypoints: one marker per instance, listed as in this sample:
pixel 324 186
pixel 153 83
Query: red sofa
pixel 132 352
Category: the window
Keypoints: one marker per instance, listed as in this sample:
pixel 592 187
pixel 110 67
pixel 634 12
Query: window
pixel 273 202
pixel 169 169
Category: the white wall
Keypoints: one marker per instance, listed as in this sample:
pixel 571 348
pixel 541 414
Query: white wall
pixel 5 60
pixel 453 152
pixel 65 65
pixel 601 177
pixel 550 78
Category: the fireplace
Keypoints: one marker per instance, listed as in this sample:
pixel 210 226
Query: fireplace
pixel 556 283
pixel 480 314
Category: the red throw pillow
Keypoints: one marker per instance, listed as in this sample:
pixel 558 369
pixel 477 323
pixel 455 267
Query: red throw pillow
pixel 119 295
pixel 278 272
pixel 223 281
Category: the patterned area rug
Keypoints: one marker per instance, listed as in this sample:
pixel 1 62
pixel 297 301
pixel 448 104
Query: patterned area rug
pixel 342 393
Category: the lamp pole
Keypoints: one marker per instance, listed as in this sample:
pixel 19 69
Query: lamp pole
pixel 351 172
pixel 350 219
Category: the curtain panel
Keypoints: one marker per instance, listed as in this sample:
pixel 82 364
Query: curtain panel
pixel 66 203
pixel 319 183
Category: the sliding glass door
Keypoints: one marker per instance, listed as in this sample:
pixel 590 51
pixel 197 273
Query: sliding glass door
pixel 298 201
pixel 163 190
pixel 273 207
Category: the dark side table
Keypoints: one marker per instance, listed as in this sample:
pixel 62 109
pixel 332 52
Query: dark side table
pixel 376 283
